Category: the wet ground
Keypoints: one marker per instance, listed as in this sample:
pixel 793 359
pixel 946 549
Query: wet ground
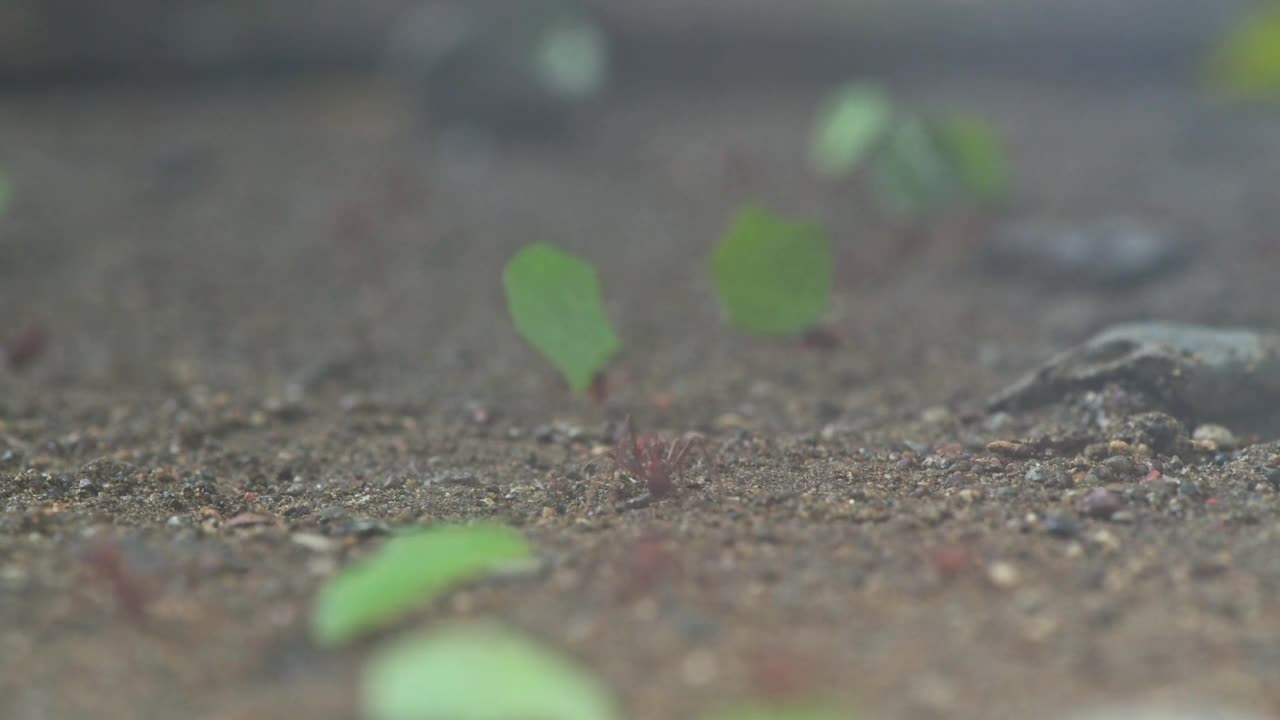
pixel 275 328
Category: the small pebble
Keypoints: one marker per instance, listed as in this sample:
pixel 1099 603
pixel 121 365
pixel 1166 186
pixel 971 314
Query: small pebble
pixel 1100 503
pixel 1105 539
pixel 315 542
pixel 1036 474
pixel 935 414
pixel 1009 448
pixel 1120 467
pixel 1060 526
pixel 1003 575
pixel 456 477
pixel 1218 436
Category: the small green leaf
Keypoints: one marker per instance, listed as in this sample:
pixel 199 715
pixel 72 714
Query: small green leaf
pixel 572 57
pixel 974 153
pixel 409 571
pixel 808 711
pixel 479 672
pixel 849 125
pixel 774 276
pixel 911 175
pixel 1246 66
pixel 556 304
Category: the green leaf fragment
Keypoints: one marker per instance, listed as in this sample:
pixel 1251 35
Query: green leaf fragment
pixel 1246 66
pixel 927 167
pixel 975 155
pixel 774 276
pixel 911 174
pixel 847 128
pixel 572 57
pixel 479 672
pixel 556 304
pixel 409 571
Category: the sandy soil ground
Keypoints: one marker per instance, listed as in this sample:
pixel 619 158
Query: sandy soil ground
pixel 284 300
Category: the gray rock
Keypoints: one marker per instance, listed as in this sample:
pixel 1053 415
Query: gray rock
pixel 1219 374
pixel 1107 252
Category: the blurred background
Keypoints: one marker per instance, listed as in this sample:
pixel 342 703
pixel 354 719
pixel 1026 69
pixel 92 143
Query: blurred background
pixel 257 245
pixel 64 39
pixel 262 189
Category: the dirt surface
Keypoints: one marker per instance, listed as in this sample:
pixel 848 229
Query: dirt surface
pixel 275 329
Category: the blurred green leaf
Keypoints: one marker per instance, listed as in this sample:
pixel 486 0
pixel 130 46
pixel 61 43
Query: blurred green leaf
pixel 975 155
pixel 927 167
pixel 1246 65
pixel 849 125
pixel 479 672
pixel 774 276
pixel 409 571
pixel 572 57
pixel 800 711
pixel 911 175
pixel 555 301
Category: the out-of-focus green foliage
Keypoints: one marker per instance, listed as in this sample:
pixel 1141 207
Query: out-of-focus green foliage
pixel 572 57
pixel 409 571
pixel 926 167
pixel 479 672
pixel 910 173
pixel 848 127
pixel 1246 64
pixel 975 155
pixel 916 164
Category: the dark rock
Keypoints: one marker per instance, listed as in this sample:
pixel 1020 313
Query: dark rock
pixel 1060 526
pixel 1211 373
